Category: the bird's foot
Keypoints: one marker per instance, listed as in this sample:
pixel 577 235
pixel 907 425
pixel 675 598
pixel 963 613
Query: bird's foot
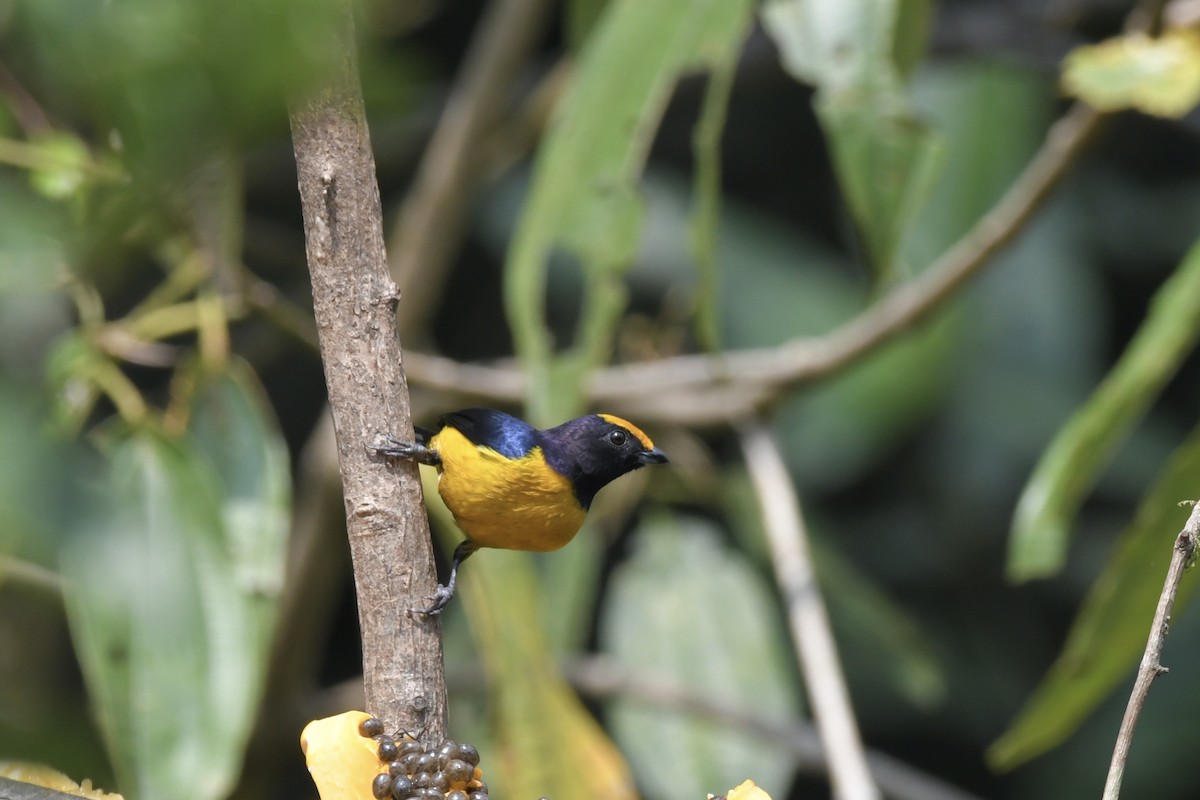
pixel 394 448
pixel 439 599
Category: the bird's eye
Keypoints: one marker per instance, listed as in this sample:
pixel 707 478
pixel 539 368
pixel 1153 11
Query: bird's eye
pixel 617 438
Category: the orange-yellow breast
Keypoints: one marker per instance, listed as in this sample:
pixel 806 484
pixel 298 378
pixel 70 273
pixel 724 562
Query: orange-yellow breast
pixel 513 504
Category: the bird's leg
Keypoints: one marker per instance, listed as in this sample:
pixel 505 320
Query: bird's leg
pixel 443 594
pixel 413 451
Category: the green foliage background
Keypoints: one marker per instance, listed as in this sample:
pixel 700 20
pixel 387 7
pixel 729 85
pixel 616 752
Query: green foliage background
pixel 993 495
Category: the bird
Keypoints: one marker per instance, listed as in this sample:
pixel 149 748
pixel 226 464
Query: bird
pixel 514 487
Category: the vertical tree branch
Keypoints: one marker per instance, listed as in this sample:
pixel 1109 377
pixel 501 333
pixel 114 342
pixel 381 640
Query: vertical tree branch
pixel 354 301
pixel 811 634
pixel 1183 553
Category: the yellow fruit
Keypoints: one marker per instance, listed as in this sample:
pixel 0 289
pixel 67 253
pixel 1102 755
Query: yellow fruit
pixel 746 790
pixel 48 778
pixel 341 761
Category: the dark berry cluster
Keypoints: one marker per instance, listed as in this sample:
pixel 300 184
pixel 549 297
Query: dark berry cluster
pixel 416 770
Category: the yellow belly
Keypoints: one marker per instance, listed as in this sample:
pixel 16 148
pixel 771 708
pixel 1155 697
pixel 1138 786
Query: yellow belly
pixel 517 504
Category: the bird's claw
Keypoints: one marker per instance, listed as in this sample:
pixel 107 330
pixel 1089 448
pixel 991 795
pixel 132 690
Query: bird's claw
pixel 388 447
pixel 440 599
pixel 394 448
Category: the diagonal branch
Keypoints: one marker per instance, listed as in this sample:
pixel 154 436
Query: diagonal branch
pixel 721 388
pixel 776 369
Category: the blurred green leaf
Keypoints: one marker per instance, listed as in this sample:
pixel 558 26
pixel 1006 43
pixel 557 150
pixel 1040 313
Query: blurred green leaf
pixel 233 427
pixel 991 118
pixel 581 19
pixel 1109 632
pixel 1159 76
pixel 173 579
pixel 910 37
pixel 44 713
pixel 886 161
pixel 863 613
pixel 1083 447
pixel 136 605
pixel 169 79
pixel 688 611
pixel 35 237
pixel 706 210
pixel 584 200
pixel 884 156
pixel 31 483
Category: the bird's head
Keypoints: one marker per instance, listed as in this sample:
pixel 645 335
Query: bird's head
pixel 595 450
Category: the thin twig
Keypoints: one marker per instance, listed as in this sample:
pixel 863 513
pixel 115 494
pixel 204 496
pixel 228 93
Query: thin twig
pixel 429 227
pixel 1183 553
pixel 812 637
pixel 721 388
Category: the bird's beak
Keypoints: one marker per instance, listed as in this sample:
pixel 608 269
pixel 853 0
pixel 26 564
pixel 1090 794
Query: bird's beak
pixel 654 456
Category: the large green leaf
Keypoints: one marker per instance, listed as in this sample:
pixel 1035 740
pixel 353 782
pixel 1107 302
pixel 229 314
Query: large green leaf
pixel 1110 631
pixel 1082 449
pixel 233 427
pixel 173 578
pixel 580 18
pixel 706 212
pixel 136 606
pixel 179 76
pixel 584 201
pixel 688 611
pixel 991 117
pixel 884 156
pixel 27 503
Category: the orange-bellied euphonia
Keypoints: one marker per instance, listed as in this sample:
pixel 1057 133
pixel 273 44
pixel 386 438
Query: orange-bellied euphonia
pixel 512 486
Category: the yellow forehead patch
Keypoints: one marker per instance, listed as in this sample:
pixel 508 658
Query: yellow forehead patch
pixel 629 426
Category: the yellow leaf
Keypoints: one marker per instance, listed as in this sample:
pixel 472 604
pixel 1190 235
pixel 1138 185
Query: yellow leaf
pixel 47 778
pixel 342 761
pixel 1157 76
